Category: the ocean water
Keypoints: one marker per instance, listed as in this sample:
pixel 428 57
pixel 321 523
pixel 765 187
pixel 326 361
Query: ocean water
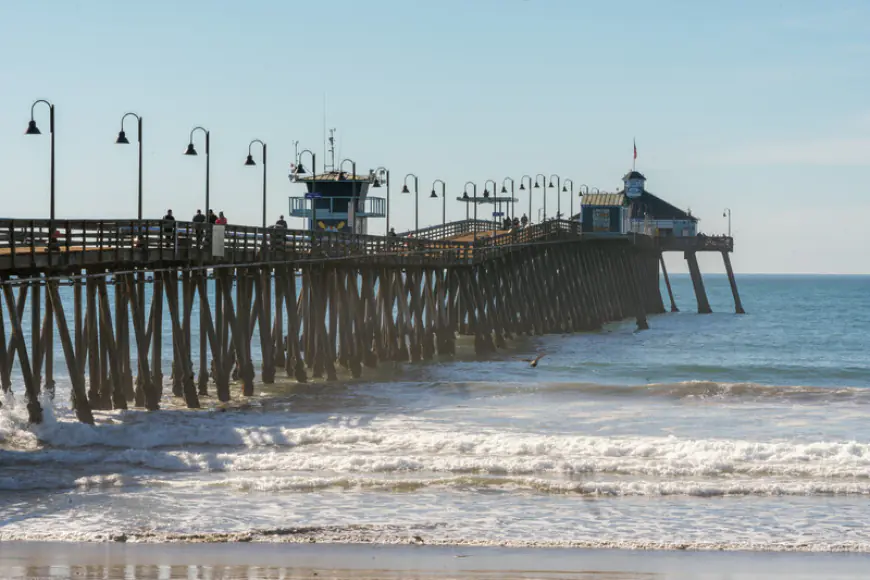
pixel 716 431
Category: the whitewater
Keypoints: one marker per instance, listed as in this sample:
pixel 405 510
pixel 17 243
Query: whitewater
pixel 715 432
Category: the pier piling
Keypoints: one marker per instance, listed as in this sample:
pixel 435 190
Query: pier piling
pixel 319 305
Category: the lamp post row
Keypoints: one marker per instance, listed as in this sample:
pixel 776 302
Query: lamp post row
pixel 381 174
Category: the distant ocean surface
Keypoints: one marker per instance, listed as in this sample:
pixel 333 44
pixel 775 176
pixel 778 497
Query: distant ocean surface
pixel 707 431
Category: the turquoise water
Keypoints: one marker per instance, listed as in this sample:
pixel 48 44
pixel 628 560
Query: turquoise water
pixel 720 431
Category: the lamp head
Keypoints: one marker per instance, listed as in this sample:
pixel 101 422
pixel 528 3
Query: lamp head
pixel 405 189
pixel 537 185
pixel 564 188
pixel 190 149
pixel 522 187
pixel 32 129
pixel 464 195
pixel 485 192
pixel 250 160
pixel 433 195
pixel 122 139
pixel 299 169
pixel 376 183
pixel 503 189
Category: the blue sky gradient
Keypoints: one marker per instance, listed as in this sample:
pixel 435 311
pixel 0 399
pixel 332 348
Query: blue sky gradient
pixel 760 106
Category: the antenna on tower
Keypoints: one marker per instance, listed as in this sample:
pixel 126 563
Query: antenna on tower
pixel 331 151
pixel 324 131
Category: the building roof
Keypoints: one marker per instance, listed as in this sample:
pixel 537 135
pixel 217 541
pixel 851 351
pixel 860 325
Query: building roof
pixel 657 208
pixel 634 175
pixel 604 199
pixel 332 176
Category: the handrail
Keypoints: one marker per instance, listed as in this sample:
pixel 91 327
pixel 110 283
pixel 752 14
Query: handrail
pixel 28 244
pixel 442 231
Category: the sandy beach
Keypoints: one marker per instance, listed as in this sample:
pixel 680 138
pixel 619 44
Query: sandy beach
pixel 336 561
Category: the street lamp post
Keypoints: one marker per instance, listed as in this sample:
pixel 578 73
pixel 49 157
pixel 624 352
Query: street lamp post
pixel 523 187
pixel 353 196
pixel 558 194
pixel 728 213
pixel 416 198
pixel 505 191
pixel 570 191
pixel 301 169
pixel 250 162
pixel 383 174
pixel 465 195
pixel 32 129
pixel 538 186
pixel 192 151
pixel 495 194
pixel 443 199
pixel 122 140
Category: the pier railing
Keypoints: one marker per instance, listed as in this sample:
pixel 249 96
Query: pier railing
pixel 449 230
pixel 59 244
pixel 699 243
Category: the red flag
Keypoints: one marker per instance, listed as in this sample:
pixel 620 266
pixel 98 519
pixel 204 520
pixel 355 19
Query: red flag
pixel 635 149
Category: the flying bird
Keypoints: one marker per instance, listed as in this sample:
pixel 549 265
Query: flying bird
pixel 533 362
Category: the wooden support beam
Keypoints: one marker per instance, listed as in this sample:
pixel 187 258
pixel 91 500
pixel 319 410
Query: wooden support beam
pixel 294 346
pixel 122 336
pixel 244 291
pixel 35 333
pixel 698 283
pixel 5 383
pixel 181 346
pixel 34 409
pixel 79 394
pixel 150 392
pixel 326 346
pixel 411 297
pixel 78 322
pixel 738 306
pixel 278 343
pixel 93 342
pixel 220 376
pixel 112 394
pixel 203 376
pixel 157 291
pixel 668 283
pixel 48 346
pixel 263 308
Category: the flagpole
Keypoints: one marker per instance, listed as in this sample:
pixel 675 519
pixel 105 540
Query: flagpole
pixel 634 159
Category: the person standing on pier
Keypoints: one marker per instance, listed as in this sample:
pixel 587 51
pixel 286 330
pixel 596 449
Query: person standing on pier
pixel 281 223
pixel 221 220
pixel 212 218
pixel 199 218
pixel 524 220
pixel 169 227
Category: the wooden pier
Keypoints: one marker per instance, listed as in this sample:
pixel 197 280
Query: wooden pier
pixel 316 304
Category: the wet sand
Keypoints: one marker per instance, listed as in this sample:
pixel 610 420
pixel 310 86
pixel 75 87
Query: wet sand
pixel 358 562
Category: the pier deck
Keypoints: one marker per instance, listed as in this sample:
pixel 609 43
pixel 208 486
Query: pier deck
pixel 316 302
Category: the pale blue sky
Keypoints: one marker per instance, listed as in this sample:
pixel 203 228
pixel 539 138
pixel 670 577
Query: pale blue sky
pixel 762 106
